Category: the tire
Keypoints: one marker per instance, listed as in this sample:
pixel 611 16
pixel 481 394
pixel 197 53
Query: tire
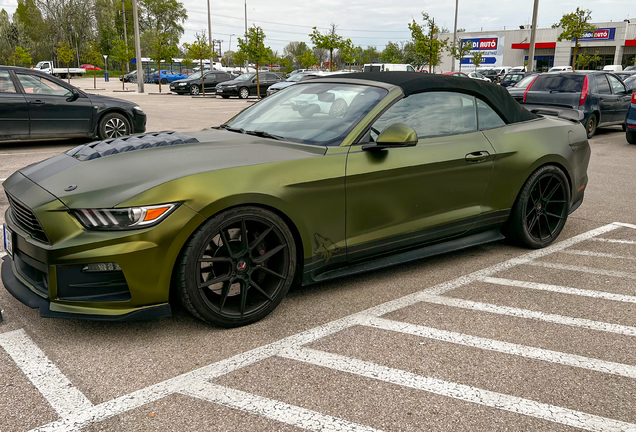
pixel 249 274
pixel 631 137
pixel 113 125
pixel 624 126
pixel 338 109
pixel 244 93
pixel 164 81
pixel 541 209
pixel 225 97
pixel 590 125
pixel 195 90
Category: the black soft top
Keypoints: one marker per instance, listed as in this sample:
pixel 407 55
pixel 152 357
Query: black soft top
pixel 416 82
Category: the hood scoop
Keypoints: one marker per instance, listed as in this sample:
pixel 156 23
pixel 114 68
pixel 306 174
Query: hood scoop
pixel 109 147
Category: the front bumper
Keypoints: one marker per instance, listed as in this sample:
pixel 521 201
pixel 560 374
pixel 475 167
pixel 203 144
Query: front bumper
pixel 139 122
pixel 224 91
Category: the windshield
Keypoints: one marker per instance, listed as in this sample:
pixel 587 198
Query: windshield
pixel 525 82
pixel 244 77
pixel 295 77
pixel 630 83
pixel 195 75
pixel 312 113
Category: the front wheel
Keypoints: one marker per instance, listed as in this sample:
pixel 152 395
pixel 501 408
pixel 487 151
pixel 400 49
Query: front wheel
pixel 195 90
pixel 244 93
pixel 590 126
pixel 541 209
pixel 237 267
pixel 631 137
pixel 113 125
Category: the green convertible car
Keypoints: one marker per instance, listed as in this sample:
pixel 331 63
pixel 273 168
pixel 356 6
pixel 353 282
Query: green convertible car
pixel 327 178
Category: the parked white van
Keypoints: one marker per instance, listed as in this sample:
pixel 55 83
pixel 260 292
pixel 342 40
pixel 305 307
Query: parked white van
pixel 387 67
pixel 613 68
pixel 556 69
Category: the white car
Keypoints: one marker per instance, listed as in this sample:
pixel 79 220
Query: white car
pixel 558 69
pixel 478 76
pixel 334 103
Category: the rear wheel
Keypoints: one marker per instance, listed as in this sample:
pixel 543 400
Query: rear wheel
pixel 631 137
pixel 195 90
pixel 164 80
pixel 244 92
pixel 541 209
pixel 590 126
pixel 237 267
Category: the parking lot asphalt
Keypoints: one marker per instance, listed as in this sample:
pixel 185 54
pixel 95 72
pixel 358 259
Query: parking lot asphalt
pixel 493 337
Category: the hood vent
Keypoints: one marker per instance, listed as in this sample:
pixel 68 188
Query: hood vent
pixel 125 144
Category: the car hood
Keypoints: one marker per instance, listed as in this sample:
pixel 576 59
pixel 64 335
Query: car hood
pixel 107 181
pixel 99 99
pixel 282 85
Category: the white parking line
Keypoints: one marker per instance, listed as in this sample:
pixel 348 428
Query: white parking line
pixel 59 392
pixel 583 269
pixel 561 289
pixel 605 240
pixel 463 392
pixel 525 313
pixel 596 254
pixel 505 347
pixel 273 409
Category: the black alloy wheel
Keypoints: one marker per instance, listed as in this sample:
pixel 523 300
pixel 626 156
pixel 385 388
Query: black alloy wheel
pixel 590 126
pixel 164 81
pixel 541 210
pixel 194 90
pixel 237 267
pixel 244 92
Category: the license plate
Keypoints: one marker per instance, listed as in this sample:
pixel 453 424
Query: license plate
pixel 219 90
pixel 8 241
pixel 301 103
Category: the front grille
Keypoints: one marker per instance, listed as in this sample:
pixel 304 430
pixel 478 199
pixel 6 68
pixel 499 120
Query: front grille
pixel 25 218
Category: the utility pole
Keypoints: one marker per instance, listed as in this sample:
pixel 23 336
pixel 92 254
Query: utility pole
pixel 210 38
pixel 430 45
pixel 455 36
pixel 533 34
pixel 140 67
pixel 123 14
pixel 246 61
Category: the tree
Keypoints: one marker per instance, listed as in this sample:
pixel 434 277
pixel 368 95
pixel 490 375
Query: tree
pixel 460 51
pixel 21 57
pixel 425 38
pixel 254 47
pixel 199 50
pixel 122 53
pixel 328 41
pixel 308 59
pixel 348 52
pixel 66 54
pixel 476 57
pixel 240 58
pixel 584 59
pixel 575 25
pixel 370 55
pixel 294 50
pixel 392 53
pixel 94 57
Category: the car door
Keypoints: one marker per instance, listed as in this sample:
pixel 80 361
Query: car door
pixel 606 100
pixel 14 111
pixel 623 98
pixel 405 197
pixel 53 111
pixel 210 81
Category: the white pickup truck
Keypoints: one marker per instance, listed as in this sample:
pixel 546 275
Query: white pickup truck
pixel 47 67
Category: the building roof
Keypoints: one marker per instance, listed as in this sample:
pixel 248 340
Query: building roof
pixel 414 82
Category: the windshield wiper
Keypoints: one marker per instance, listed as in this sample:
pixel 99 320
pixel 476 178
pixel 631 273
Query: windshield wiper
pixel 264 134
pixel 231 129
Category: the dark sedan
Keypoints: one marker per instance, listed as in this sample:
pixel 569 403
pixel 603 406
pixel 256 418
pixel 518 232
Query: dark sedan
pixel 244 86
pixel 518 90
pixel 600 96
pixel 192 84
pixel 34 106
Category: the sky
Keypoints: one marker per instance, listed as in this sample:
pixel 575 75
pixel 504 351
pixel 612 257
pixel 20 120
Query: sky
pixel 373 22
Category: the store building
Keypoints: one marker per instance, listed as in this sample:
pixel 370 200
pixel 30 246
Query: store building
pixel 614 41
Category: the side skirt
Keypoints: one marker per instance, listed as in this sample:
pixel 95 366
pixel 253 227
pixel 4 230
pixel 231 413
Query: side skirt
pixel 412 255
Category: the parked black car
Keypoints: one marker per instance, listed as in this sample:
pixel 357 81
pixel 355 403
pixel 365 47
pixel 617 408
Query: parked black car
pixel 34 105
pixel 245 85
pixel 491 74
pixel 625 74
pixel 601 96
pixel 518 90
pixel 192 84
pixel 514 77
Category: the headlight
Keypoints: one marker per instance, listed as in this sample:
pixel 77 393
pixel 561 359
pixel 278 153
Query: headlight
pixel 124 218
pixel 138 109
pixel 183 84
pixel 230 87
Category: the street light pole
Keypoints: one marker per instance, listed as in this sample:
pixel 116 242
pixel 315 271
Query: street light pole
pixel 229 48
pixel 210 38
pixel 533 35
pixel 123 14
pixel 140 68
pixel 455 35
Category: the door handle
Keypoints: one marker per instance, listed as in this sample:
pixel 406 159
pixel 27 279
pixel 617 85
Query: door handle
pixel 479 156
pixel 37 102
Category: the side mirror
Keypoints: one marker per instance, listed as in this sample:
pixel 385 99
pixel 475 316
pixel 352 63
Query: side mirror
pixel 397 135
pixel 75 94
